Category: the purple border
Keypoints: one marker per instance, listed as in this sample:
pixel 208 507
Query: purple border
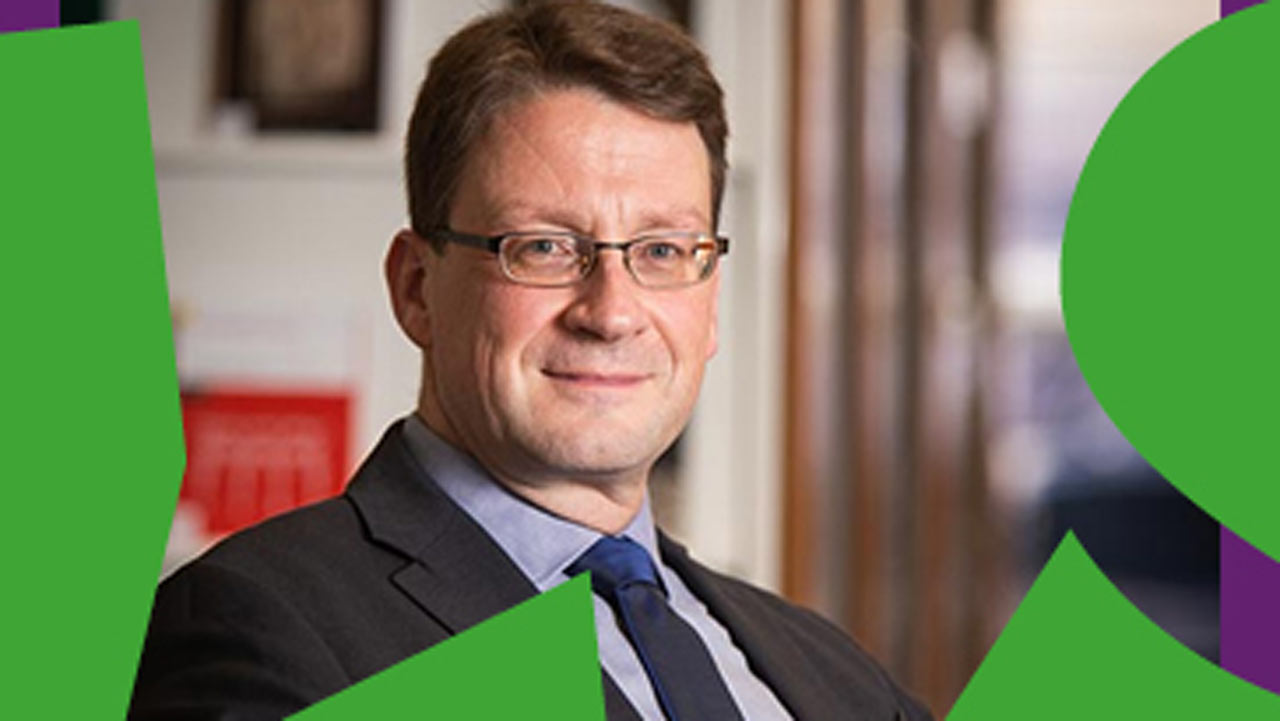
pixel 1250 620
pixel 1249 624
pixel 18 15
pixel 1230 6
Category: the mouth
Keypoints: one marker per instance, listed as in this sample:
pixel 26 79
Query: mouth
pixel 596 379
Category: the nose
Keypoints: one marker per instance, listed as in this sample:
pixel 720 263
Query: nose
pixel 607 306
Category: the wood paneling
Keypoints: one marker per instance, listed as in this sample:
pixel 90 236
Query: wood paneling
pixel 908 520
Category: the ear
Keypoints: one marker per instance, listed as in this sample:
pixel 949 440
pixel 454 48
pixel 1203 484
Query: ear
pixel 405 270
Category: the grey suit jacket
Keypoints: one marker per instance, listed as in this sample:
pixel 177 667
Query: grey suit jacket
pixel 283 614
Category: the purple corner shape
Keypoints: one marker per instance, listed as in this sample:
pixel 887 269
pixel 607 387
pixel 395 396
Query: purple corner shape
pixel 1250 621
pixel 1230 6
pixel 1249 624
pixel 18 15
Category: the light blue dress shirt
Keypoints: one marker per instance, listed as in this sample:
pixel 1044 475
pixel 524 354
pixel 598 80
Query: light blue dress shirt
pixel 543 545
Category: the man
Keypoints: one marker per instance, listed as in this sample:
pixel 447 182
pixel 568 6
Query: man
pixel 565 164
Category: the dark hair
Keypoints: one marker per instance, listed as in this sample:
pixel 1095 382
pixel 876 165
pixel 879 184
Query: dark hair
pixel 642 62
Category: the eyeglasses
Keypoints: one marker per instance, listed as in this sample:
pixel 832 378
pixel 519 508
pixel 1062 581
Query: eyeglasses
pixel 551 258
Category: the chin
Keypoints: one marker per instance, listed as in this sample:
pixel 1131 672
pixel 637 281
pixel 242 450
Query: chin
pixel 605 455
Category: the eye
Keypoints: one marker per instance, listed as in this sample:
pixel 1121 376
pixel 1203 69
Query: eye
pixel 541 246
pixel 540 250
pixel 662 251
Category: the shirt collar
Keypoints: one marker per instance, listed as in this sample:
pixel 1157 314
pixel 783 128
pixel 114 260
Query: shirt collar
pixel 541 544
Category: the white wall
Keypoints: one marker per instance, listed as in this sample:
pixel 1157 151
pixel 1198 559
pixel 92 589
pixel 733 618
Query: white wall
pixel 732 514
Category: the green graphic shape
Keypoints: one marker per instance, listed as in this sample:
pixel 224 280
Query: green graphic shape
pixel 1078 649
pixel 535 661
pixel 92 443
pixel 92 428
pixel 1169 270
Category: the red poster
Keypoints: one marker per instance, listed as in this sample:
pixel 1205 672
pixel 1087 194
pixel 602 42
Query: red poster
pixel 251 455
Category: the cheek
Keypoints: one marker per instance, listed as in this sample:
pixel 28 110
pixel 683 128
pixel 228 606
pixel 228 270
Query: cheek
pixel 459 332
pixel 691 333
pixel 514 328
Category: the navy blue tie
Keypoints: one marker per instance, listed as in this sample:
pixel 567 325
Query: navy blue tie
pixel 683 675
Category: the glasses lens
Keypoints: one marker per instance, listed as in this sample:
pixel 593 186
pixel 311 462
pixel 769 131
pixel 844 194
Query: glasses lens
pixel 672 260
pixel 541 258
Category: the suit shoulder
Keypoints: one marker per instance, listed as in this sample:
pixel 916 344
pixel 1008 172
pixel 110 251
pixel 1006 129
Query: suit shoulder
pixel 291 542
pixel 315 523
pixel 825 649
pixel 806 625
pixel 311 559
pixel 235 629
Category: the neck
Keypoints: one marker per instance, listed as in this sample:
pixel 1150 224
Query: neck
pixel 607 510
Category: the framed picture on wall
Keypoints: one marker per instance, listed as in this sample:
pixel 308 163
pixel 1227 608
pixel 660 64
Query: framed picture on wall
pixel 301 64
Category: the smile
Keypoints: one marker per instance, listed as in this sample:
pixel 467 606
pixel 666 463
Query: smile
pixel 597 379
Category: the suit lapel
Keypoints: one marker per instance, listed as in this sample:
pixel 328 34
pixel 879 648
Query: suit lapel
pixel 457 574
pixel 776 660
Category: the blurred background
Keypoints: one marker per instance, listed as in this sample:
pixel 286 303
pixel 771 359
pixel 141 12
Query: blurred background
pixel 894 431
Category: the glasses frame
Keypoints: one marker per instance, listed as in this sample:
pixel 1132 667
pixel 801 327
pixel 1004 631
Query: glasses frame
pixel 493 244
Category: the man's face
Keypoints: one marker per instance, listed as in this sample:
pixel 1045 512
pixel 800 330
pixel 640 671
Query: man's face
pixel 591 381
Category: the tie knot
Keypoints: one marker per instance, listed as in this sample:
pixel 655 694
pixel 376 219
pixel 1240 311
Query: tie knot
pixel 616 563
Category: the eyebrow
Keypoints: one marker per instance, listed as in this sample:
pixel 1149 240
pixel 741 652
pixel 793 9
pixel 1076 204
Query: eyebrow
pixel 518 214
pixel 675 219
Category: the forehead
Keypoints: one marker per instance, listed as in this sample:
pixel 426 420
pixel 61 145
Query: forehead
pixel 576 158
